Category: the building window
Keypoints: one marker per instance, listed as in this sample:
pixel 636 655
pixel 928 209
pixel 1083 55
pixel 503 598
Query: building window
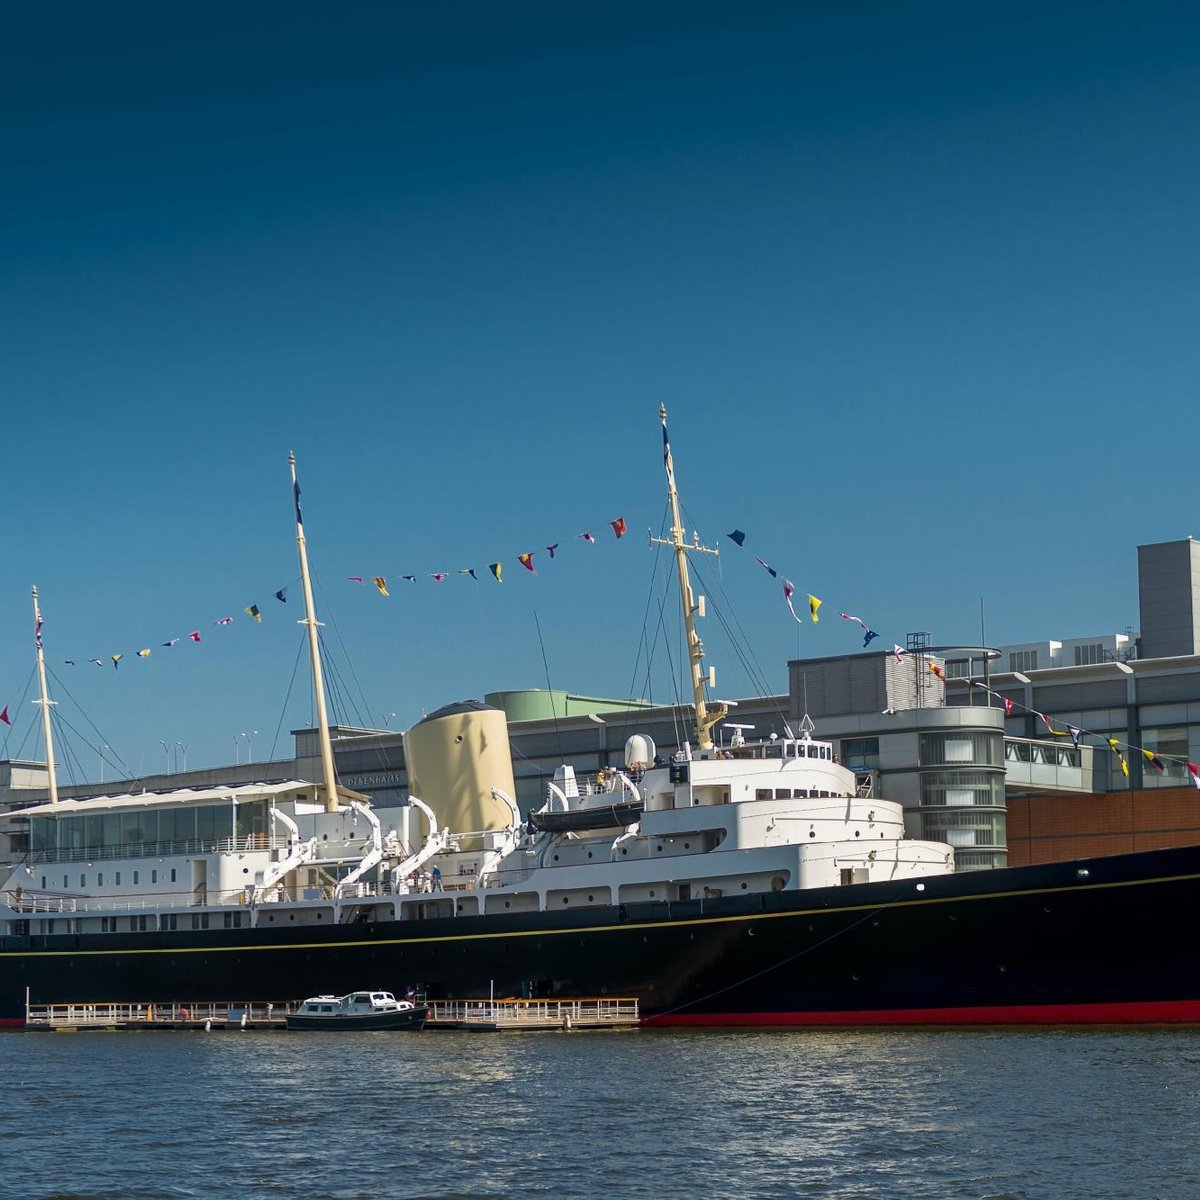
pixel 1085 656
pixel 973 749
pixel 861 754
pixel 1023 660
pixel 962 789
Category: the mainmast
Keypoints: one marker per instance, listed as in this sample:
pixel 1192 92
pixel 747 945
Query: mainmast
pixel 45 702
pixel 314 648
pixel 706 716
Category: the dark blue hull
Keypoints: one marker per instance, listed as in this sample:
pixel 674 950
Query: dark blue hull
pixel 1100 940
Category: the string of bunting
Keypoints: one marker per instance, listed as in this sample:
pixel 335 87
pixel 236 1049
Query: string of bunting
pixel 619 527
pixel 1077 734
pixel 738 537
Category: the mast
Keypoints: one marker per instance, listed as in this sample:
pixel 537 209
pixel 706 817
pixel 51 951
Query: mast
pixel 45 702
pixel 706 716
pixel 314 649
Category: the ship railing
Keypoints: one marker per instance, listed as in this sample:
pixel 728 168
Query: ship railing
pixel 610 782
pixel 24 901
pixel 242 843
pixel 499 878
pixel 43 902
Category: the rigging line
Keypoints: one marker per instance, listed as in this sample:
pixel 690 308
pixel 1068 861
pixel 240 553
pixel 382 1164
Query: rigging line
pixel 340 694
pixel 549 689
pixel 333 625
pixel 651 589
pixel 69 756
pixel 837 933
pixel 115 758
pixel 20 707
pixel 288 696
pixel 740 643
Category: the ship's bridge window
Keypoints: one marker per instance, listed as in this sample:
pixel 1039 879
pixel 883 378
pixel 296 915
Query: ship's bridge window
pixel 762 794
pixel 773 751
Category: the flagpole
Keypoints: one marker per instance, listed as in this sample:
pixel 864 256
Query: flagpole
pixel 314 648
pixel 706 717
pixel 45 702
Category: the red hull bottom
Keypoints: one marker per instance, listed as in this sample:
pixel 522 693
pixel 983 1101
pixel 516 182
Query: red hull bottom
pixel 1149 1012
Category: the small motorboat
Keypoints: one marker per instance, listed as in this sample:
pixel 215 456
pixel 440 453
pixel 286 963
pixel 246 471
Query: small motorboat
pixel 358 1010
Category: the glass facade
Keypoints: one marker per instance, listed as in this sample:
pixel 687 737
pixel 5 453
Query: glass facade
pixel 144 832
pixel 962 795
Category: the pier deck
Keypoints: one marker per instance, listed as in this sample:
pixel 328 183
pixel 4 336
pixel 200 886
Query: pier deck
pixel 495 1016
pixel 476 1016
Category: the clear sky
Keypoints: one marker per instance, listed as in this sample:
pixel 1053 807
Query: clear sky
pixel 917 284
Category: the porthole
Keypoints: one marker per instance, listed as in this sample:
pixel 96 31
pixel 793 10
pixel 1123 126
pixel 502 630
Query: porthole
pixel 556 858
pixel 589 854
pixel 566 900
pixel 652 893
pixel 590 899
pixel 623 851
pixel 812 833
pixel 744 885
pixel 508 904
pixel 245 870
pixel 687 845
pixel 458 739
pixel 857 833
pixel 659 848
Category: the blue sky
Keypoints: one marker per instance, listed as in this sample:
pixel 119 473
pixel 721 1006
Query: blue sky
pixel 916 283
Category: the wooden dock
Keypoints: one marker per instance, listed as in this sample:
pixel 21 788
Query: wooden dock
pixel 475 1016
pixel 70 1018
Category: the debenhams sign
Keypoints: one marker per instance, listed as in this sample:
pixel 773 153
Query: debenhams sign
pixel 383 779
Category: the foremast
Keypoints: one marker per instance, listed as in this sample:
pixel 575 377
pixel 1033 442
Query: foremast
pixel 707 715
pixel 314 649
pixel 44 701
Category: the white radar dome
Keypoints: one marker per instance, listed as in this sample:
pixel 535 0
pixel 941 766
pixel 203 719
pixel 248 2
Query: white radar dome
pixel 639 750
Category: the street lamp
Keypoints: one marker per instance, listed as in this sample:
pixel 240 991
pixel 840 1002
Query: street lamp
pixel 184 749
pixel 249 736
pixel 166 756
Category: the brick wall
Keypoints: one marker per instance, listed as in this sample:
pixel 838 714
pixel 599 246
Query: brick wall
pixel 1055 828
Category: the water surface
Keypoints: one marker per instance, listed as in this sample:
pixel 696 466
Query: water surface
pixel 992 1115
